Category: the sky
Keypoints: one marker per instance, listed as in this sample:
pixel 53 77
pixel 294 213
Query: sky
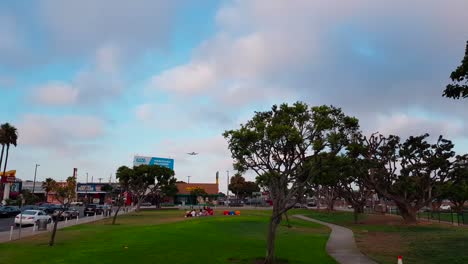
pixel 89 84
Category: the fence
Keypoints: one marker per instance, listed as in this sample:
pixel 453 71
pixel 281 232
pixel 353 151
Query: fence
pixel 22 232
pixel 447 216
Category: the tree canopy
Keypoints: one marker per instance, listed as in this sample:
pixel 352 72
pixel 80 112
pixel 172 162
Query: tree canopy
pixel 241 187
pixel 275 144
pixel 459 86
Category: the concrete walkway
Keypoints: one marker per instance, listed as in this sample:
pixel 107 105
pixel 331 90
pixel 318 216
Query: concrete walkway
pixel 341 245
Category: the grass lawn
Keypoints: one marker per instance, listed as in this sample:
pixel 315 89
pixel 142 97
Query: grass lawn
pixel 166 237
pixel 383 238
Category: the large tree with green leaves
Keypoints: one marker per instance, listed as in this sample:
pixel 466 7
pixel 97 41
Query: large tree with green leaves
pixel 456 189
pixel 409 172
pixel 164 184
pixel 242 188
pixel 459 86
pixel 142 179
pixel 275 144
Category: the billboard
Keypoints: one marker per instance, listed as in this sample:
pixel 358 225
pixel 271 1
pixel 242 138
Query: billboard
pixel 163 162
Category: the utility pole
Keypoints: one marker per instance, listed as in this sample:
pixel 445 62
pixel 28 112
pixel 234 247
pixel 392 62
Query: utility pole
pixel 86 189
pixel 188 179
pixel 34 182
pixel 99 180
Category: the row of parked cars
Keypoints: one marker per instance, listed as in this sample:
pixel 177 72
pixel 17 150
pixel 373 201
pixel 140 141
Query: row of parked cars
pixel 32 214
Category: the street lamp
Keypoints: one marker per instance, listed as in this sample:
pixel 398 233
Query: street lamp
pixel 34 182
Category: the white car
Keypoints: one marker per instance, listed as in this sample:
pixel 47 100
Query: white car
pixel 445 207
pixel 31 217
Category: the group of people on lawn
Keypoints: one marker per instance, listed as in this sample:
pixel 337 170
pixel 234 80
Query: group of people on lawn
pixel 206 211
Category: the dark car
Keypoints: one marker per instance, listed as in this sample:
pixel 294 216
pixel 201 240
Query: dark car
pixel 29 207
pixel 71 213
pixel 92 209
pixel 8 211
pixel 50 208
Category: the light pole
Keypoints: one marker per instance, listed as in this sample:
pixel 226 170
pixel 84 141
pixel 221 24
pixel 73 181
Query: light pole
pixel 34 182
pixel 188 179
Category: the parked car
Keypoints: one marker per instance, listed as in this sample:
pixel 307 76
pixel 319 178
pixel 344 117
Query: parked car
pixel 31 217
pixel 146 204
pixel 8 211
pixel 67 214
pixel 445 207
pixel 29 207
pixel 92 209
pixel 76 203
pixel 50 208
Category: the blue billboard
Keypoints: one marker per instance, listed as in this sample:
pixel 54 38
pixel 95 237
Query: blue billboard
pixel 163 162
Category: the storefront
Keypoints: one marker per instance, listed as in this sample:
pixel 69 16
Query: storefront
pixel 92 193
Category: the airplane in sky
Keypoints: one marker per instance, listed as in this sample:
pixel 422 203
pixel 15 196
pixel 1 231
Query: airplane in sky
pixel 192 153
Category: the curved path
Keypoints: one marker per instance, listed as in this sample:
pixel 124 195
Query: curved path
pixel 341 245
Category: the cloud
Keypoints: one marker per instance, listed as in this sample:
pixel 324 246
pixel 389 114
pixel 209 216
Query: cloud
pixel 61 134
pixel 145 113
pixel 56 93
pixel 95 84
pixel 186 79
pixel 78 27
pixel 406 125
pixel 368 57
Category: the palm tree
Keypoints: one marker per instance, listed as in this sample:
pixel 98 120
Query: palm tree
pixel 10 136
pixel 2 142
pixel 48 185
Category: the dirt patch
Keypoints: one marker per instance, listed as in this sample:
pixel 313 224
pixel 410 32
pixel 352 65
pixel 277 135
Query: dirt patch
pixel 375 219
pixel 381 244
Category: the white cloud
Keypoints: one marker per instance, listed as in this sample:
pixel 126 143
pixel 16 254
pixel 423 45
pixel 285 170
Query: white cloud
pixel 78 27
pixel 62 134
pixel 95 84
pixel 405 125
pixel 145 113
pixel 56 93
pixel 186 79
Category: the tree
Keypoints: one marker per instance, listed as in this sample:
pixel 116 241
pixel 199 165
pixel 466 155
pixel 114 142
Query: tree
pixel 351 183
pixel 275 144
pixel 48 185
pixel 459 86
pixel 241 187
pixel 456 189
pixel 107 188
pixel 164 183
pixel 3 140
pixel 409 172
pixel 123 175
pixel 197 192
pixel 9 136
pixel 64 193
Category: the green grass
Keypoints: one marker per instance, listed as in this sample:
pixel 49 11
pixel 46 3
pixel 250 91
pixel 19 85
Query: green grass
pixel 166 237
pixel 424 243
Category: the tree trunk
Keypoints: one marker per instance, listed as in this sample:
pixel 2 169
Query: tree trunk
pixel 139 204
pixel 6 159
pixel 408 213
pixel 115 215
pixel 272 227
pixel 1 156
pixel 54 231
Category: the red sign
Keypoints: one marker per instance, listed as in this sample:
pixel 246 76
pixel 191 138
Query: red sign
pixel 8 179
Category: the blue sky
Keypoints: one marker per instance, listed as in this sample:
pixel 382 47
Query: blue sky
pixel 89 83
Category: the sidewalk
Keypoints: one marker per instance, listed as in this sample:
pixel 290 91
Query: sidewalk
pixel 30 231
pixel 341 245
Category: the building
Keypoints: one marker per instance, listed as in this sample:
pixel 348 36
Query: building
pixel 184 196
